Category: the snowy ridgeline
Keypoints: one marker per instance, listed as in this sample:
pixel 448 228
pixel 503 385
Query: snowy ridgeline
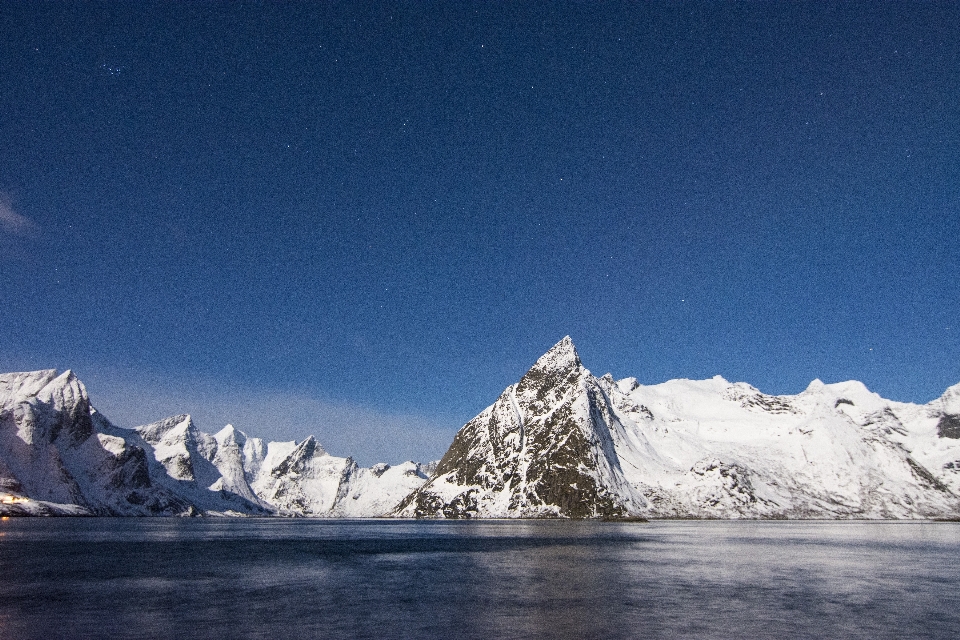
pixel 562 442
pixel 559 443
pixel 59 456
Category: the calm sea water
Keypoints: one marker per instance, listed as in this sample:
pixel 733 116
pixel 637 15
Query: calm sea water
pixel 280 578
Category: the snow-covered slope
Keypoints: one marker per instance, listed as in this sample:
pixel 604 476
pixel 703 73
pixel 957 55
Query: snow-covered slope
pixel 563 442
pixel 58 456
pixel 833 451
pixel 304 479
pixel 207 470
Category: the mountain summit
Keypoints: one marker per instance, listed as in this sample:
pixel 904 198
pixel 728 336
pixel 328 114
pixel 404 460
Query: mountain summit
pixel 561 357
pixel 543 449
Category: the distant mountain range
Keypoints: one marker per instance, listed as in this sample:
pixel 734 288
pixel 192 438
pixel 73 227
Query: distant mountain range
pixel 558 443
pixel 59 456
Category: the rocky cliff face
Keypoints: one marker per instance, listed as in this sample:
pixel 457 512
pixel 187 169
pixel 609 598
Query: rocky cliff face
pixel 544 449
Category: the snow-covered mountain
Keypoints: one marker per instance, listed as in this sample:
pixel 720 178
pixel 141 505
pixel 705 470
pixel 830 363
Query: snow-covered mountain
pixel 562 442
pixel 59 456
pixel 558 443
pixel 303 479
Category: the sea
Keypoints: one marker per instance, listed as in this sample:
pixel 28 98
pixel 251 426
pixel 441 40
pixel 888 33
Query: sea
pixel 305 578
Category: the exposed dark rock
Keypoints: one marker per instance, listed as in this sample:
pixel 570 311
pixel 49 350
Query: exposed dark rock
pixel 544 444
pixel 926 477
pixel 949 426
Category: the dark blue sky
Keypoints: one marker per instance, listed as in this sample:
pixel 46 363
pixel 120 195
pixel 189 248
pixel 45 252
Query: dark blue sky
pixel 364 221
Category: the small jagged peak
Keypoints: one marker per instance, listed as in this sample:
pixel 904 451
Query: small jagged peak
pixel 156 431
pixel 231 435
pixel 558 367
pixel 815 386
pixel 308 448
pixel 609 383
pixel 168 422
pixel 63 379
pixel 45 383
pixel 63 389
pixel 182 420
pixel 562 356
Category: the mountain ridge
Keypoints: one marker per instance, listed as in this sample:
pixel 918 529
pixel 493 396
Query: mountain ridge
pixel 59 456
pixel 560 442
pixel 701 449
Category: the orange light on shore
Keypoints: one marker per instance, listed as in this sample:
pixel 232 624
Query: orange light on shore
pixel 13 499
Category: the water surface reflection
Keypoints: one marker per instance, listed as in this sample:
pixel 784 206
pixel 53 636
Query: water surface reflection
pixel 68 578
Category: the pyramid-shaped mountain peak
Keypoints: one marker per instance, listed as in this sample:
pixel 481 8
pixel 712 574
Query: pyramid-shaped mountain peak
pixel 543 449
pixel 562 356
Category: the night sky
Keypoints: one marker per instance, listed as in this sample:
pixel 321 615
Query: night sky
pixel 363 222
